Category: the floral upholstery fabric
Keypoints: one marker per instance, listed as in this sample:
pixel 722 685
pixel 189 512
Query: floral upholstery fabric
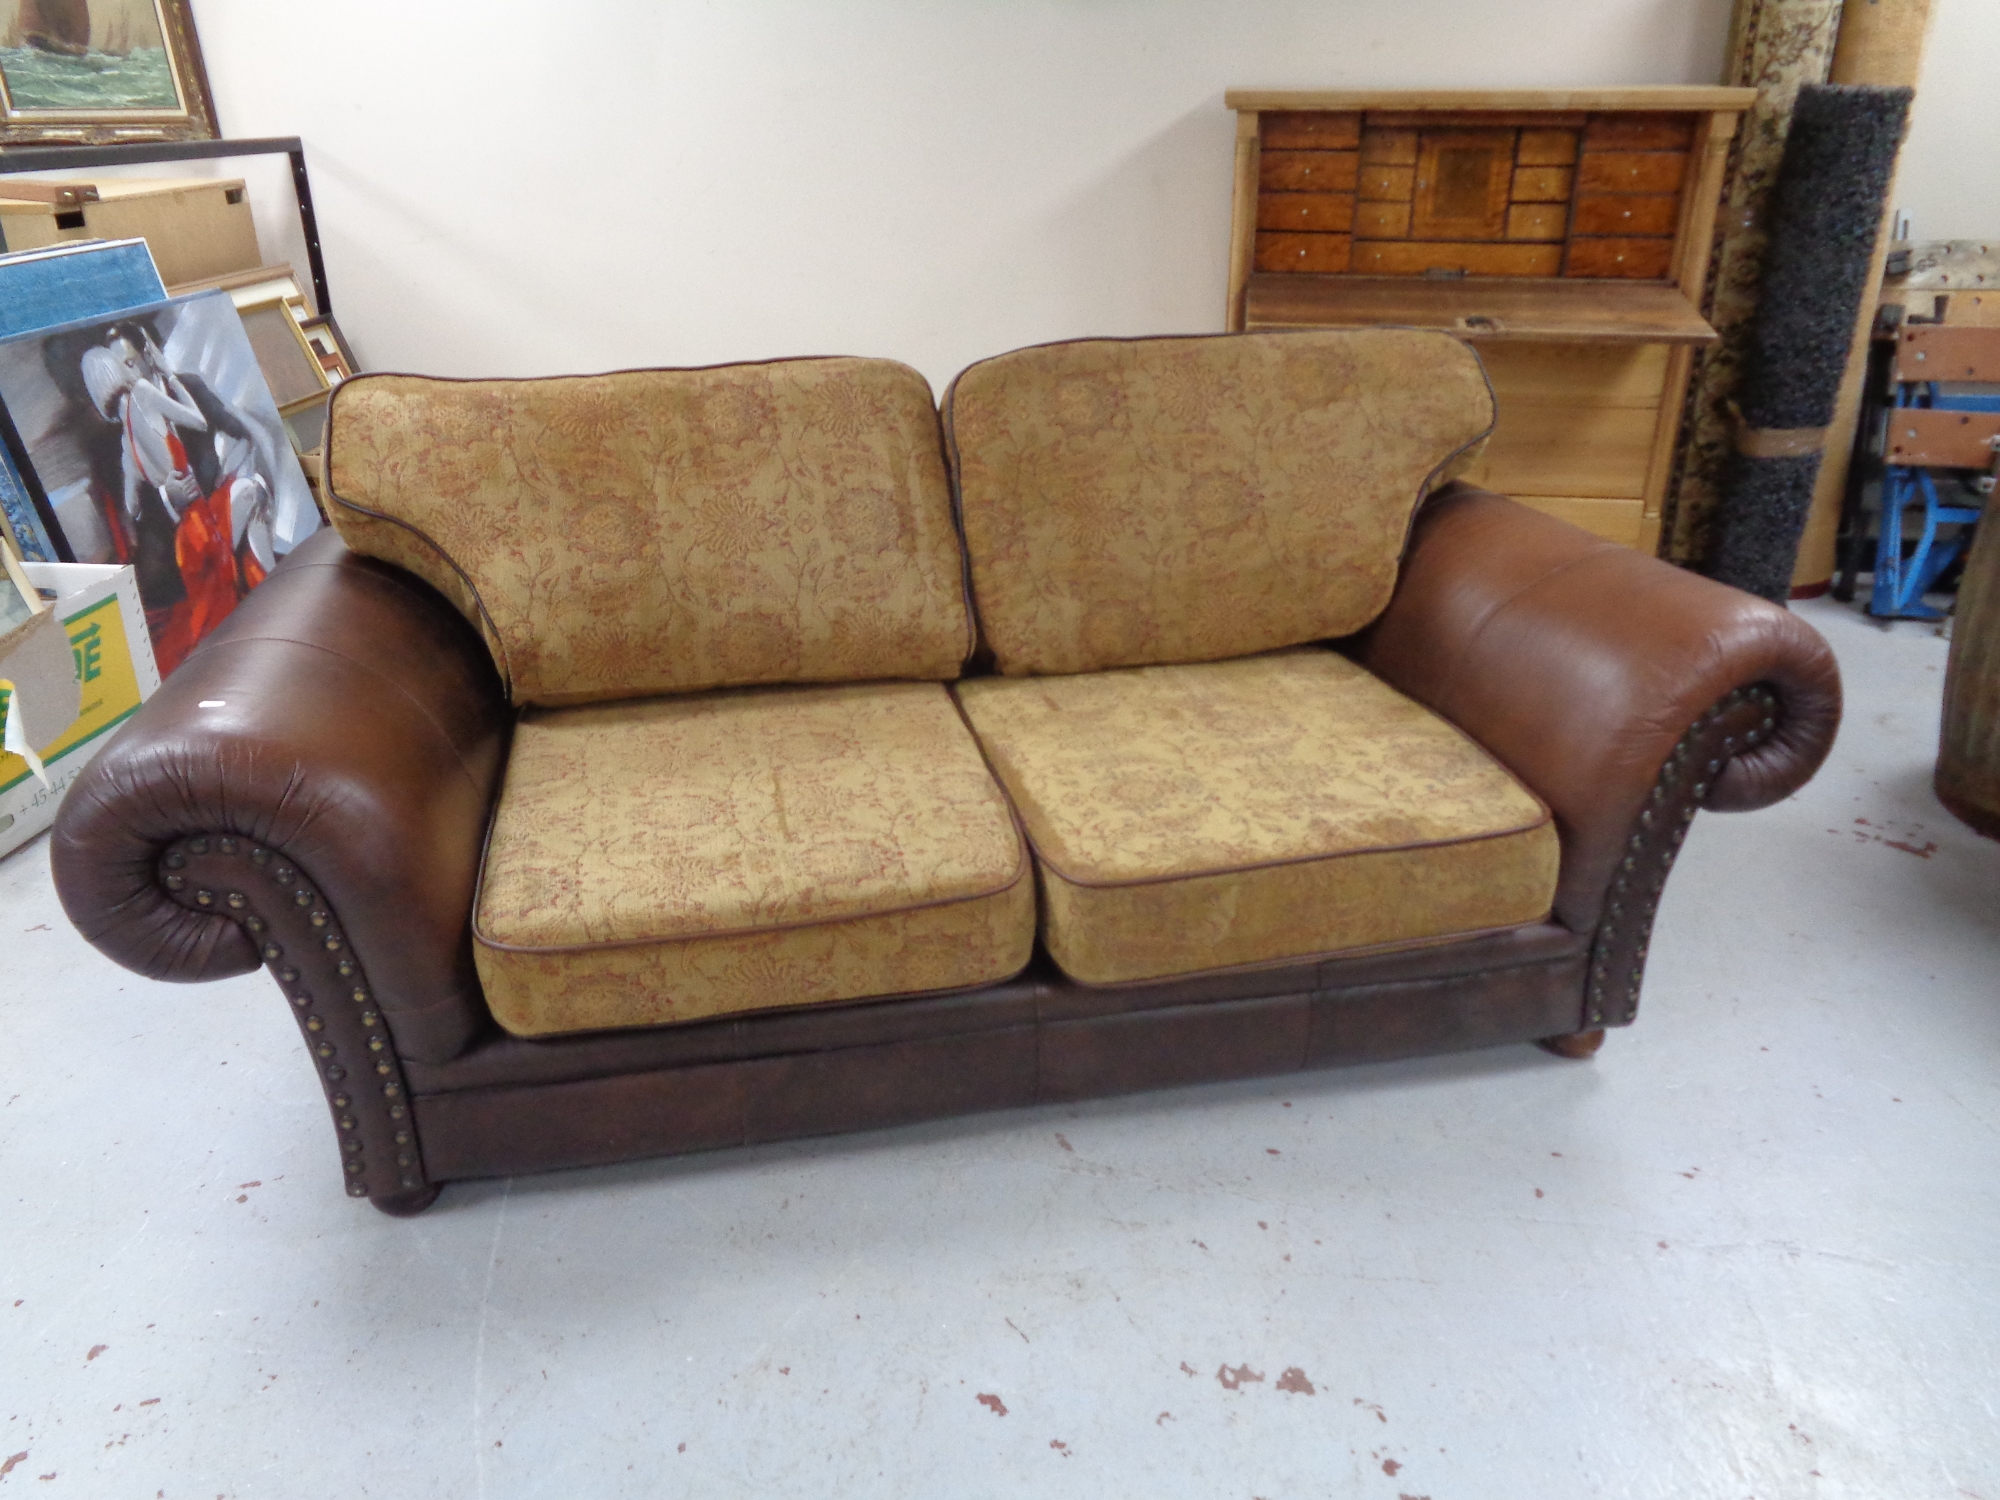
pixel 660 531
pixel 678 858
pixel 1207 816
pixel 1128 502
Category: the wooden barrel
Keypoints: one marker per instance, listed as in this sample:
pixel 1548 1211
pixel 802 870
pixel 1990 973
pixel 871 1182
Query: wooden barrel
pixel 1968 766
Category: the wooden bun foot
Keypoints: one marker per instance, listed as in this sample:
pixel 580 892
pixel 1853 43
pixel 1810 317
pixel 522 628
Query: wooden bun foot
pixel 1578 1044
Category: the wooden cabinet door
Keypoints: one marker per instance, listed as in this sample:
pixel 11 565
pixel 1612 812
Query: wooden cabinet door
pixel 1463 183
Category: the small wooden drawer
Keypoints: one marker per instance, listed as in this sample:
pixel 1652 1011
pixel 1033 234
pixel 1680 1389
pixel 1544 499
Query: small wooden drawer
pixel 1537 221
pixel 1638 132
pixel 1302 252
pixel 1627 213
pixel 1320 213
pixel 1309 130
pixel 1541 184
pixel 1382 221
pixel 1629 259
pixel 1546 148
pixel 1416 257
pixel 1392 148
pixel 1383 184
pixel 1307 171
pixel 1631 171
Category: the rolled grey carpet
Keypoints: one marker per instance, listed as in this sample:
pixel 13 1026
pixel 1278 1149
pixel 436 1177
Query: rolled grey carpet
pixel 1826 208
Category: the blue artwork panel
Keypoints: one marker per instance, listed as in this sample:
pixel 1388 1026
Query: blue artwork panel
pixel 61 284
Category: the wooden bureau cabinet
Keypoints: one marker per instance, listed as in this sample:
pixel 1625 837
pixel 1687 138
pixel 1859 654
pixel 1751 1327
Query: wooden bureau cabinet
pixel 1565 234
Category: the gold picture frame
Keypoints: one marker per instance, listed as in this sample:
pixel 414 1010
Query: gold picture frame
pixel 102 72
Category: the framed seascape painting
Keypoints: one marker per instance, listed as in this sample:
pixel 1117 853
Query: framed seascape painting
pixel 151 438
pixel 101 70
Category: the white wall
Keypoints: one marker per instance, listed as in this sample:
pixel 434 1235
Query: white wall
pixel 529 186
pixel 1949 180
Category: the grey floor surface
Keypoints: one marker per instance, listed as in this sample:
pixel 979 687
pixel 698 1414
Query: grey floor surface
pixel 1752 1250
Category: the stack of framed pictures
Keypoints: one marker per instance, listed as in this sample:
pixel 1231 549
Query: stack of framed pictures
pixel 150 436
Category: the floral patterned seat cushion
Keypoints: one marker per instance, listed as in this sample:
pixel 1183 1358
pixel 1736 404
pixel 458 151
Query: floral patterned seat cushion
pixel 658 531
pixel 1128 502
pixel 1208 816
pixel 681 858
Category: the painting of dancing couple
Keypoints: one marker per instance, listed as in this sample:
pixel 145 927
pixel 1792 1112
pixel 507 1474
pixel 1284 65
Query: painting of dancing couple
pixel 150 438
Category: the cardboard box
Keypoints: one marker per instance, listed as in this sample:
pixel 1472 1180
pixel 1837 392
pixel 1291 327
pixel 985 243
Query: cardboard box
pixel 195 226
pixel 111 672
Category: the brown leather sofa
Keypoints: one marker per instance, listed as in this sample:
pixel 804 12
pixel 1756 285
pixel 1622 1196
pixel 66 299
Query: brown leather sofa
pixel 672 760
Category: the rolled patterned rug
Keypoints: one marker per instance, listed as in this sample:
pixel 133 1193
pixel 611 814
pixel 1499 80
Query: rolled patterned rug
pixel 1825 210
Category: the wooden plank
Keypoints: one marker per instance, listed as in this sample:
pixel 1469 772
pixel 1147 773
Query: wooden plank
pixel 1302 252
pixel 1546 148
pixel 1476 258
pixel 1635 132
pixel 1620 521
pixel 1942 439
pixel 1644 97
pixel 1554 448
pixel 1382 221
pixel 1322 213
pixel 1627 375
pixel 1971 309
pixel 1307 171
pixel 1462 182
pixel 1455 259
pixel 1666 437
pixel 64 195
pixel 1537 221
pixel 1394 148
pixel 1631 171
pixel 1700 204
pixel 1386 184
pixel 1629 259
pixel 1471 119
pixel 1242 219
pixel 1542 184
pixel 1482 311
pixel 1313 130
pixel 1948 353
pixel 1627 213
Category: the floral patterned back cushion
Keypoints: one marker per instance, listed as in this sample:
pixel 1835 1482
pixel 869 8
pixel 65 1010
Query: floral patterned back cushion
pixel 658 531
pixel 1134 502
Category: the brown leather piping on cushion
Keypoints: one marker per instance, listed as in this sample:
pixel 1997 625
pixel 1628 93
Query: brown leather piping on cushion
pixel 361 738
pixel 1579 664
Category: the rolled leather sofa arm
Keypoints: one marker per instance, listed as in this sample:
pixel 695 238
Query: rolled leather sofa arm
pixel 1581 665
pixel 344 723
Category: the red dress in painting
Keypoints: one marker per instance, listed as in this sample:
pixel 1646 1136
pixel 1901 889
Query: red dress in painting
pixel 215 573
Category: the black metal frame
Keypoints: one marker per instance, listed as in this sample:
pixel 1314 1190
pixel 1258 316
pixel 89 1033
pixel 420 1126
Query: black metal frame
pixel 143 153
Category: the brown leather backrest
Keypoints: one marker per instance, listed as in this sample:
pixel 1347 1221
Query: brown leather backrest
pixel 1131 502
pixel 658 531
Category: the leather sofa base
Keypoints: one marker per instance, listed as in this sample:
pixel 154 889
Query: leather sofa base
pixel 1035 1040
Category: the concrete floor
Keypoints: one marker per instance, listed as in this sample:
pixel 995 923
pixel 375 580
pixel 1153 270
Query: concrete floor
pixel 1752 1250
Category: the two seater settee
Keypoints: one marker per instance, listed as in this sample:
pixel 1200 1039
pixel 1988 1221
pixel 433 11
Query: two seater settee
pixel 673 759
